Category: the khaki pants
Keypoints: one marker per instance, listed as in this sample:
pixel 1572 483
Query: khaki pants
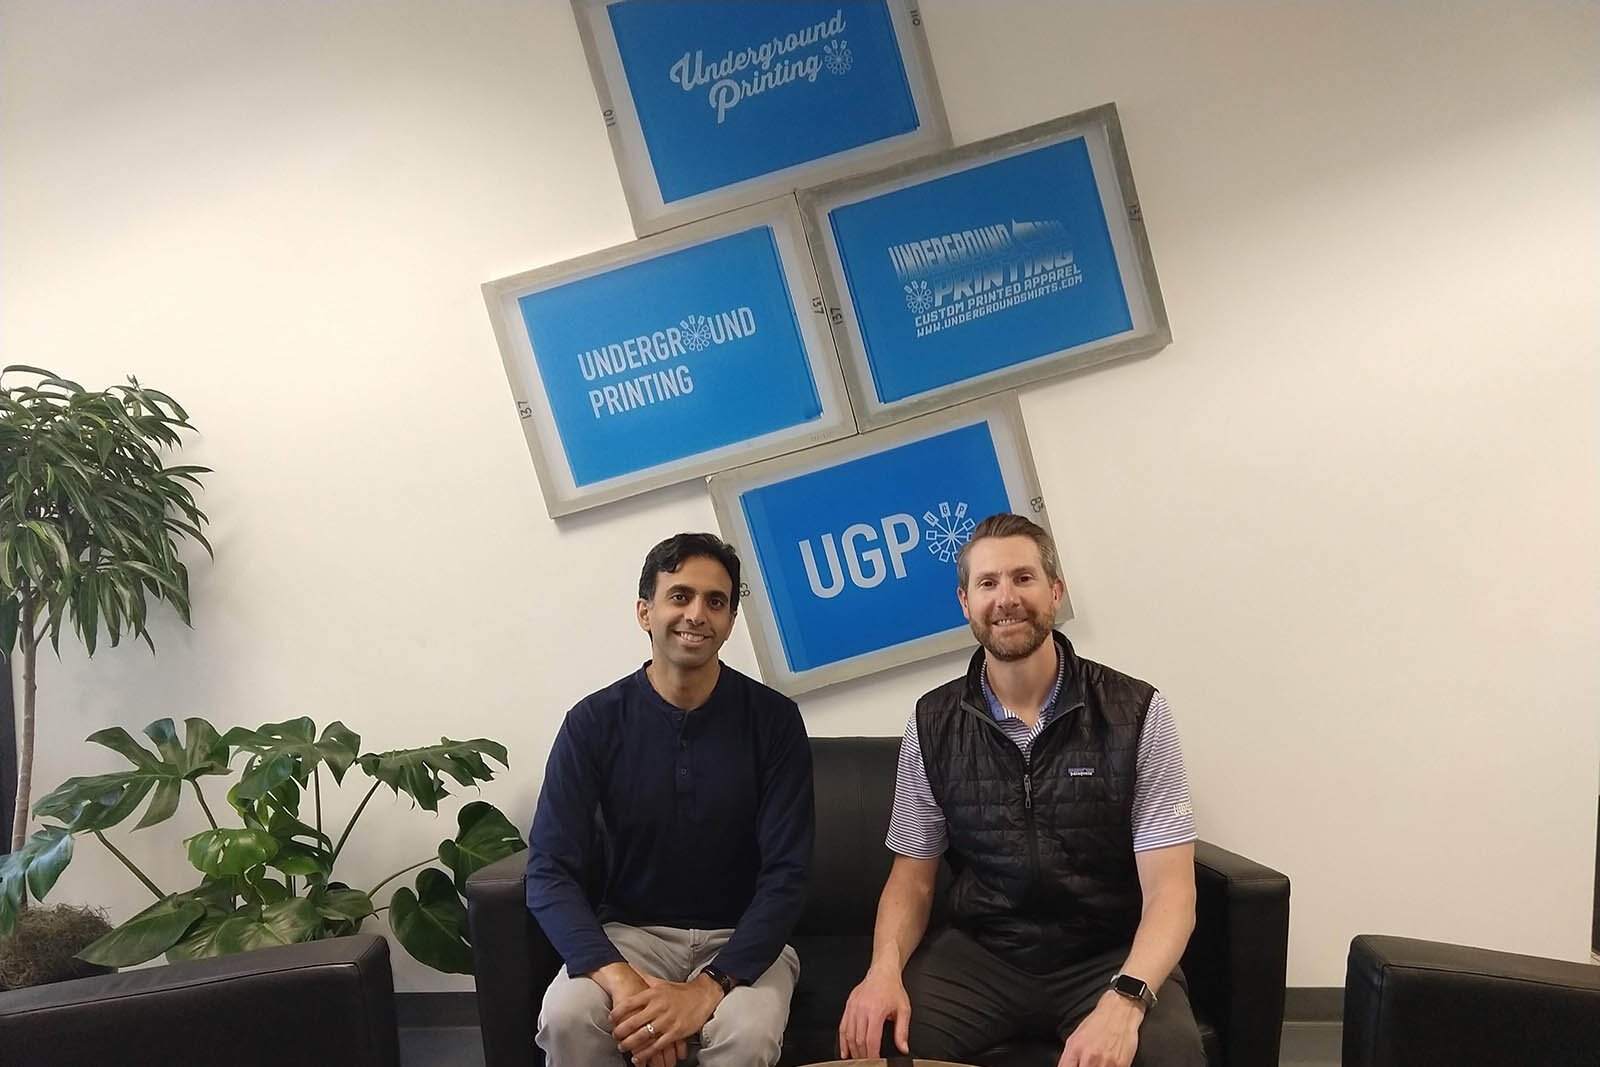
pixel 746 1030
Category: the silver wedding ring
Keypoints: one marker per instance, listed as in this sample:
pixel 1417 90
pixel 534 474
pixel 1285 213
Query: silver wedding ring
pixel 650 1028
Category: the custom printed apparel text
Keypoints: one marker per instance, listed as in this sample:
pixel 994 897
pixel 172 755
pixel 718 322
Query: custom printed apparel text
pixel 981 270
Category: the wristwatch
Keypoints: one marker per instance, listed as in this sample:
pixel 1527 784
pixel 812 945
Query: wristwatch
pixel 724 980
pixel 1134 989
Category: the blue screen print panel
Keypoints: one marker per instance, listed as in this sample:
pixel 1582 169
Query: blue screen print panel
pixel 860 556
pixel 730 91
pixel 981 270
pixel 671 356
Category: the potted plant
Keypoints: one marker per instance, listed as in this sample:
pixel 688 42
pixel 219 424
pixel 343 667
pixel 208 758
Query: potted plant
pixel 90 524
pixel 44 947
pixel 270 880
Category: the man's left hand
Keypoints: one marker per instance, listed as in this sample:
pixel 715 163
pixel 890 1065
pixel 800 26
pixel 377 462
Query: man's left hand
pixel 1108 1036
pixel 676 1011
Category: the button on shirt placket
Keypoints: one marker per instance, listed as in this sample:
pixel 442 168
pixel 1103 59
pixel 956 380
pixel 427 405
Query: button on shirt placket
pixel 683 764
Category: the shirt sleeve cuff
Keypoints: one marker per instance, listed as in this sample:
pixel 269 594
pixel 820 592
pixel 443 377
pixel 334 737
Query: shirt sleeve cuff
pixel 590 960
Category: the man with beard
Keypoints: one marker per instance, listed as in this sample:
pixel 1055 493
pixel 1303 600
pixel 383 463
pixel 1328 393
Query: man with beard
pixel 1056 788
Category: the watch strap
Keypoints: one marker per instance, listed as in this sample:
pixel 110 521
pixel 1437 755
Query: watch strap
pixel 724 980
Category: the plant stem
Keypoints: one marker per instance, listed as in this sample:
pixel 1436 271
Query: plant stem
pixel 126 862
pixel 203 805
pixel 316 790
pixel 30 652
pixel 352 823
pixel 396 874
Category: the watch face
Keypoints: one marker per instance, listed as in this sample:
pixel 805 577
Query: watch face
pixel 1128 986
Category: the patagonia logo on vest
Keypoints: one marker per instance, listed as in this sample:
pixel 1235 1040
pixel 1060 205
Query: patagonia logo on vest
pixel 1080 772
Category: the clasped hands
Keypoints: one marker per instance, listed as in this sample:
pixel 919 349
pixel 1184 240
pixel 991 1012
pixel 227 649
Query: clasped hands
pixel 652 1019
pixel 1107 1037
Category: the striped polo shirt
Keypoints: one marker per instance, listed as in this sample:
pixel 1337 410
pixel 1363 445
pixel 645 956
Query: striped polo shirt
pixel 1163 814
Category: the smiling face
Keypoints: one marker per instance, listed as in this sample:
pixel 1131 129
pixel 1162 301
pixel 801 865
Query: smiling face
pixel 690 614
pixel 1009 600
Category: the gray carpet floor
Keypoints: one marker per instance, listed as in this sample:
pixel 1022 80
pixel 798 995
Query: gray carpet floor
pixel 1304 1045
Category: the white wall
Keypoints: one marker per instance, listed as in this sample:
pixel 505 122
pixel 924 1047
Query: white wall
pixel 1347 521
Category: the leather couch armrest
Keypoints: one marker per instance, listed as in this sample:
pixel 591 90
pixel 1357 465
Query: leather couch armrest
pixel 512 961
pixel 1421 1003
pixel 332 1001
pixel 1237 959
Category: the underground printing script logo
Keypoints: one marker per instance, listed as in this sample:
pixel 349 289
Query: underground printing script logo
pixel 866 565
pixel 781 61
pixel 954 278
pixel 620 360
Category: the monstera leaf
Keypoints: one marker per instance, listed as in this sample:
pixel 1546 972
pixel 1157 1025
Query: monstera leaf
pixel 200 942
pixel 432 923
pixel 33 868
pixel 419 772
pixel 269 881
pixel 101 801
pixel 484 835
pixel 147 935
pixel 220 853
pixel 291 749
pixel 283 923
pixel 340 903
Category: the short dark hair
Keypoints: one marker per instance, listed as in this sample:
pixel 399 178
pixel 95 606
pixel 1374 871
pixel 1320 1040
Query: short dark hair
pixel 1006 524
pixel 671 554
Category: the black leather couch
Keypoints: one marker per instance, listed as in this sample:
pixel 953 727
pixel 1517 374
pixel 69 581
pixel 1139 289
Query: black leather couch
pixel 1235 962
pixel 321 1002
pixel 1410 1003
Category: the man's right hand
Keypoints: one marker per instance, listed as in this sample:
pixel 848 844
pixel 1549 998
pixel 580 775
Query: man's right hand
pixel 620 980
pixel 880 997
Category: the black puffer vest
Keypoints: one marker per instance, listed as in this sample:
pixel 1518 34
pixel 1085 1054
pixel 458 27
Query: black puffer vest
pixel 1042 848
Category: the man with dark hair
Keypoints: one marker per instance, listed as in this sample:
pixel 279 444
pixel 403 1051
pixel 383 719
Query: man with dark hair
pixel 703 780
pixel 1056 787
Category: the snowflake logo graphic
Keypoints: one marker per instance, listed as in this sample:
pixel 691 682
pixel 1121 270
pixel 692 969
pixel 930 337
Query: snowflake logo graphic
pixel 948 530
pixel 837 58
pixel 919 297
pixel 696 333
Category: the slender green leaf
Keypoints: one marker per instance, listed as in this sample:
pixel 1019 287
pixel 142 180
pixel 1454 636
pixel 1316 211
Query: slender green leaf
pixel 85 490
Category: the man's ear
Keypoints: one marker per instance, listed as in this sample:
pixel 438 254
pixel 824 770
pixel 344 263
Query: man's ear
pixel 961 595
pixel 642 613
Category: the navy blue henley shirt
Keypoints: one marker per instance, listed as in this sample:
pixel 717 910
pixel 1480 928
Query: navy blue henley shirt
pixel 708 821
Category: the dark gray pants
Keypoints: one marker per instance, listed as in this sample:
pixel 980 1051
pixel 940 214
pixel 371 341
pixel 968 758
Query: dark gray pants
pixel 965 999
